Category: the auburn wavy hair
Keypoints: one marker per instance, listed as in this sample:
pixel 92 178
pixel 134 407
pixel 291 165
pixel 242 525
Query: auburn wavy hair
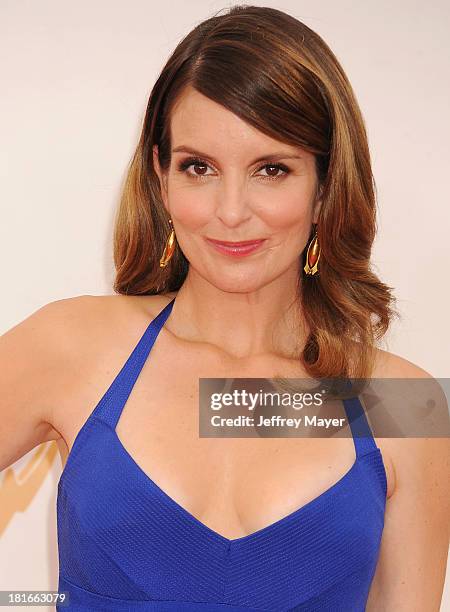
pixel 278 75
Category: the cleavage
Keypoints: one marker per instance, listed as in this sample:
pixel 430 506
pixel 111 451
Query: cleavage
pixel 234 486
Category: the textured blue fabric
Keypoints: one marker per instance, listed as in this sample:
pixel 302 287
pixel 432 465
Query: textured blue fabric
pixel 124 544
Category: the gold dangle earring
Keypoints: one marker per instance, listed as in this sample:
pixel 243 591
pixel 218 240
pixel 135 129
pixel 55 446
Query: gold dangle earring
pixel 312 255
pixel 168 249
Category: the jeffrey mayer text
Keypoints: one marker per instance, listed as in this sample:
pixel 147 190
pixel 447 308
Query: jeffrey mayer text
pixel 276 421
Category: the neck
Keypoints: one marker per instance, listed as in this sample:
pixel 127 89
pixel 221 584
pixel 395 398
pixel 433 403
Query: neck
pixel 264 321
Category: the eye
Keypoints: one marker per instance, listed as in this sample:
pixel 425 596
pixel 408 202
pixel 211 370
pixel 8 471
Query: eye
pixel 276 167
pixel 196 162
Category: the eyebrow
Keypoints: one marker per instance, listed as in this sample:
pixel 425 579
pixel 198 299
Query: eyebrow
pixel 268 157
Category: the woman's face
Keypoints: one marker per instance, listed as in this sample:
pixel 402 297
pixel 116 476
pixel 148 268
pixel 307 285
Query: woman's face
pixel 215 188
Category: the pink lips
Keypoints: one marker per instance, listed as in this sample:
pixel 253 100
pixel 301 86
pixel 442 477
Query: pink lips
pixel 236 249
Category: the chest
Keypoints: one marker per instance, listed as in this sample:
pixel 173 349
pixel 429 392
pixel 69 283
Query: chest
pixel 235 486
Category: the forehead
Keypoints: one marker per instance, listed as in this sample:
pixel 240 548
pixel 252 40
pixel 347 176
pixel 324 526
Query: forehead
pixel 202 123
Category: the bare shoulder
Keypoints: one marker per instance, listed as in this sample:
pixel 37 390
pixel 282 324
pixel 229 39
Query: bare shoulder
pixel 78 332
pixel 39 361
pixel 78 316
pixel 390 365
pixel 56 362
pixel 412 563
pixel 415 462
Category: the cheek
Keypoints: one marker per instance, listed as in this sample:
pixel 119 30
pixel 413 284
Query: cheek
pixel 278 209
pixel 286 212
pixel 191 208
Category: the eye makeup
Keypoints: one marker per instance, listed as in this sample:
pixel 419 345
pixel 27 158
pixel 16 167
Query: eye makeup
pixel 197 161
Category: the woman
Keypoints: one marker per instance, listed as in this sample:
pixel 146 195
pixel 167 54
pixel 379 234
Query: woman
pixel 252 134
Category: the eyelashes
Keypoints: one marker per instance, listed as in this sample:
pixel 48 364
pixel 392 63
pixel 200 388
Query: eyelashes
pixel 196 161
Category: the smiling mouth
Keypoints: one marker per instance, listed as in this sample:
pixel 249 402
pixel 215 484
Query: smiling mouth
pixel 236 249
pixel 241 243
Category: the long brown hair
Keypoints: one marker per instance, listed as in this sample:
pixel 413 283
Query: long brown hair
pixel 279 76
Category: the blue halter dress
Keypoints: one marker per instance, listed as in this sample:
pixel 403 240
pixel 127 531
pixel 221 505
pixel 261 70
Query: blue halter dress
pixel 124 544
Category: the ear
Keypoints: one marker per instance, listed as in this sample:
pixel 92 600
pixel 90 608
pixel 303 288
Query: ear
pixel 161 175
pixel 317 205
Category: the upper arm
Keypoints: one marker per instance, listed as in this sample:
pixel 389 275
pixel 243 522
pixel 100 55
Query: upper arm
pixel 32 354
pixel 411 569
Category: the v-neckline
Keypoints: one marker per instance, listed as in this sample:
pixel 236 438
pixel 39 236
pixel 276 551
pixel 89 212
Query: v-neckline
pixel 254 535
pixel 110 412
pixel 151 336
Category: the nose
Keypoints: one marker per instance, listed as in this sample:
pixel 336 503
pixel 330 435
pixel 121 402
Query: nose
pixel 232 201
